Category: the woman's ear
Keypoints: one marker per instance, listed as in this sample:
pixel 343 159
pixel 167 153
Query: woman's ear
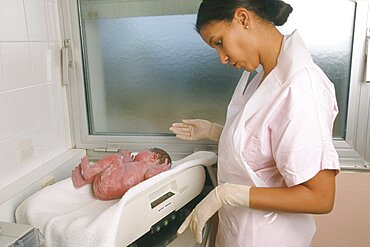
pixel 242 16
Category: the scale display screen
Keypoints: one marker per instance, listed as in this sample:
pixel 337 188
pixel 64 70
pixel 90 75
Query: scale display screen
pixel 161 199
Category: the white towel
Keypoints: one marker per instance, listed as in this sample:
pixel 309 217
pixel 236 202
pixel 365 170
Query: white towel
pixel 74 217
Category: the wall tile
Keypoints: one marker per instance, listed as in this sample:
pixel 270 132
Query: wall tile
pixel 56 61
pixel 46 106
pixel 65 132
pixel 46 61
pixel 60 100
pixel 60 97
pixel 52 140
pixel 53 22
pixel 23 109
pixel 10 159
pixel 33 103
pixel 41 59
pixel 7 161
pixel 53 130
pixel 5 121
pixel 2 81
pixel 38 151
pixel 37 23
pixel 12 21
pixel 16 64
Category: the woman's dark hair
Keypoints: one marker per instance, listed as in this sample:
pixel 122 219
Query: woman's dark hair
pixel 274 11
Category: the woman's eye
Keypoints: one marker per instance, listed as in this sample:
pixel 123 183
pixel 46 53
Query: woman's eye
pixel 219 42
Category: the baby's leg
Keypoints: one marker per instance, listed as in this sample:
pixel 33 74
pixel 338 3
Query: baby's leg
pixel 154 170
pixel 90 169
pixel 112 183
pixel 77 178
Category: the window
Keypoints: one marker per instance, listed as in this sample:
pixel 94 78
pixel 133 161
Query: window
pixel 143 73
pixel 140 66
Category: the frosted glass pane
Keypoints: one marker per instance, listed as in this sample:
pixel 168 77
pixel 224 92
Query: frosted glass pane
pixel 327 28
pixel 145 72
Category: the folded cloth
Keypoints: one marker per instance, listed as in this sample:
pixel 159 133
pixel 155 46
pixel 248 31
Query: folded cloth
pixel 70 217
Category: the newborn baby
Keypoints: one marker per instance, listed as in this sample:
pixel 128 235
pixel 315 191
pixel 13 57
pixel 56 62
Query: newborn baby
pixel 115 174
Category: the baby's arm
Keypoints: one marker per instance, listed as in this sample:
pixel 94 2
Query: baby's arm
pixel 156 169
pixel 89 169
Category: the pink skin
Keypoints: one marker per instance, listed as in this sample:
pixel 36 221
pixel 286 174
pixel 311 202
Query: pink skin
pixel 77 178
pixel 146 155
pixel 113 175
pixel 127 156
pixel 89 171
pixel 84 173
pixel 156 169
pixel 116 180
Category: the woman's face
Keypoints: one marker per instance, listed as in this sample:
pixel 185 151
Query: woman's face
pixel 234 43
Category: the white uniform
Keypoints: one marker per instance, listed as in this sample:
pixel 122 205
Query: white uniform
pixel 278 134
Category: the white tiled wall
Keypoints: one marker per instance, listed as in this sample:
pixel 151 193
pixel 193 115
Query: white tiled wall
pixel 33 105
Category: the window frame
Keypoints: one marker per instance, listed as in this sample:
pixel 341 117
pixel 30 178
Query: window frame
pixel 354 151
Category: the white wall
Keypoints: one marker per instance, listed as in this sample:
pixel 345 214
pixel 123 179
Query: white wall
pixel 33 105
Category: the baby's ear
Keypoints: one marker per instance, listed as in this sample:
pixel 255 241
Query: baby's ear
pixel 154 157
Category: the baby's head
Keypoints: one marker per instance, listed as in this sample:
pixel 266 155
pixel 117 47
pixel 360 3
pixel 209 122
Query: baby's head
pixel 153 154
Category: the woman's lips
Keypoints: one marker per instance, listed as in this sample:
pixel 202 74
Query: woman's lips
pixel 237 66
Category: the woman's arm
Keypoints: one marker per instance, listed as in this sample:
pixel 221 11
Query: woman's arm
pixel 316 196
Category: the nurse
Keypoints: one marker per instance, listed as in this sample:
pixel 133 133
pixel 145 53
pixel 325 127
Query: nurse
pixel 277 163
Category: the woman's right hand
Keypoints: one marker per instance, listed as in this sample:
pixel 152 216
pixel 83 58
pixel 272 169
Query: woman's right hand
pixel 195 129
pixel 224 194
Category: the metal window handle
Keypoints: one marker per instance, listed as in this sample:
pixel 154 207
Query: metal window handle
pixel 67 61
pixel 367 71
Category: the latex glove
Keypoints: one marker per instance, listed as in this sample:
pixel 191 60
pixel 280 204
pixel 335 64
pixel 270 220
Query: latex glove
pixel 195 129
pixel 224 194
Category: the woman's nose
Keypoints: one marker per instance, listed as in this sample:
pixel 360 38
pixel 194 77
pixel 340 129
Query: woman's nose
pixel 223 57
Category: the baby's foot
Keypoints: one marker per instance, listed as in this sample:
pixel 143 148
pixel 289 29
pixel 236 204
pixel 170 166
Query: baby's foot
pixel 77 178
pixel 87 168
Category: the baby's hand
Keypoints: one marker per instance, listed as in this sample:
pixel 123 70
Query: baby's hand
pixel 127 156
